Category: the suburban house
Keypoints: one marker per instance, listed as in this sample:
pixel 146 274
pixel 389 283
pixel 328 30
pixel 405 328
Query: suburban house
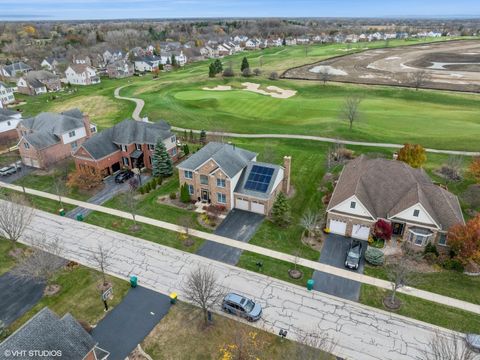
pixel 147 63
pixel 38 82
pixel 166 57
pixel 370 189
pixel 226 175
pixel 6 95
pixel 9 120
pixel 81 75
pixel 120 69
pixel 51 137
pixel 45 332
pixel 128 144
pixel 110 56
pixel 13 70
pixel 82 60
pixel 51 63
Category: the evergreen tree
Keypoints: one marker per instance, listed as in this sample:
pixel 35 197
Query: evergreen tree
pixel 203 137
pixel 184 193
pixel 191 139
pixel 284 42
pixel 161 162
pixel 281 210
pixel 211 70
pixel 185 135
pixel 245 64
pixel 174 60
pixel 218 66
pixel 186 149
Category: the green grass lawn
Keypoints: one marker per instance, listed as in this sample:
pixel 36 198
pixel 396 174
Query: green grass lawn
pixel 424 310
pixel 7 261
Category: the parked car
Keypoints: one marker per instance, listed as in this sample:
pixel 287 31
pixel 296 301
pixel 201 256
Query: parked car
pixel 8 170
pixel 123 176
pixel 241 306
pixel 354 255
pixel 473 342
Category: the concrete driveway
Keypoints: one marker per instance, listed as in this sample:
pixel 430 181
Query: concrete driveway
pixel 333 253
pixel 131 321
pixel 239 225
pixel 10 179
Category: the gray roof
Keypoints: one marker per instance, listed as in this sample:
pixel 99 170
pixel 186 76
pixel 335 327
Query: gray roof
pixel 20 66
pixel 34 77
pixel 387 187
pixel 240 188
pixel 124 133
pixel 230 159
pixel 45 330
pixel 7 112
pixel 47 128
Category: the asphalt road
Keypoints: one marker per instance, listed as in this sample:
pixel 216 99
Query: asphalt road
pixel 239 225
pixel 130 321
pixel 25 170
pixel 333 253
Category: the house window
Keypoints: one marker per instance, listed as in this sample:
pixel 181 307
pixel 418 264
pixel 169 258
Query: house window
pixel 188 174
pixel 173 139
pixel 26 145
pixel 222 198
pixel 138 146
pixel 191 189
pixel 124 147
pixel 74 145
pixel 221 183
pixel 71 133
pixel 125 161
pixel 419 237
pixel 353 204
pixel 174 151
pixel 9 123
pixel 151 147
pixel 416 212
pixel 204 179
pixel 442 240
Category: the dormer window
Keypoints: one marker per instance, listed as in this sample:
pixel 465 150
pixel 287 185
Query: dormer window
pixel 353 204
pixel 124 147
pixel 71 133
pixel 416 212
pixel 138 146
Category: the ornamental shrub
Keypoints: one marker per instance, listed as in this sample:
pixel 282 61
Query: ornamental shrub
pixel 374 256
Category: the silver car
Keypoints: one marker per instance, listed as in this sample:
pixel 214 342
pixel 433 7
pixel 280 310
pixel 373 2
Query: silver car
pixel 241 306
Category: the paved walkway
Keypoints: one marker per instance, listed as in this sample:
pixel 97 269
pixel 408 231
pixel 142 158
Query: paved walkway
pixel 360 332
pixel 131 321
pixel 441 299
pixel 140 104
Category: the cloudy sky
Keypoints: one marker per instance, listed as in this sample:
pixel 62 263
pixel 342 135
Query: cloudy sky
pixel 120 9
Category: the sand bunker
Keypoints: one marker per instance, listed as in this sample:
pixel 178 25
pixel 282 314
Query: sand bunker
pixel 329 69
pixel 273 91
pixel 219 88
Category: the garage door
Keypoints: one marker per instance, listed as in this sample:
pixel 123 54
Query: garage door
pixel 338 227
pixel 241 204
pixel 258 208
pixel 360 232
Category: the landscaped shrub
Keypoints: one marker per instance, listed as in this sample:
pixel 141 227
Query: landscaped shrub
pixel 184 194
pixel 142 190
pixel 382 230
pixel 273 76
pixel 148 187
pixel 430 249
pixel 173 195
pixel 430 258
pixel 453 264
pixel 374 256
pixel 228 72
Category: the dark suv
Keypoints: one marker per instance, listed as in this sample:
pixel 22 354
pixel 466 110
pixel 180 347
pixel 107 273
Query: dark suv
pixel 241 306
pixel 354 254
pixel 123 176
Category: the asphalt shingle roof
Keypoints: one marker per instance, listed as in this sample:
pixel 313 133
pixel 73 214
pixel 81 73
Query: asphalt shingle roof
pixel 20 66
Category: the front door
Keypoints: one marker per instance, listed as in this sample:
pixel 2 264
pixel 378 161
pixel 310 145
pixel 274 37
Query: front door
pixel 204 195
pixel 397 229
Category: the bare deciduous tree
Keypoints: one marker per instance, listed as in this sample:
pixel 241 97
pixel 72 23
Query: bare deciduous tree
pixel 101 256
pixel 399 271
pixel 418 78
pixel 350 110
pixel 60 187
pixel 15 216
pixel 316 346
pixel 324 75
pixel 309 222
pixel 131 204
pixel 443 347
pixel 203 289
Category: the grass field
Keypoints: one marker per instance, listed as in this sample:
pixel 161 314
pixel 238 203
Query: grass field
pixel 7 261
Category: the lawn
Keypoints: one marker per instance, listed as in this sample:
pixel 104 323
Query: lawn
pixel 78 295
pixel 167 339
pixel 424 310
pixel 7 261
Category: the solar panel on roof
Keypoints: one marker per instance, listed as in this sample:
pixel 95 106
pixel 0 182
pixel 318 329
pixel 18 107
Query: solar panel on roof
pixel 259 178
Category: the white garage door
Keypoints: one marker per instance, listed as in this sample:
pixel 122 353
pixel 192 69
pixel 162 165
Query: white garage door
pixel 241 204
pixel 338 227
pixel 360 232
pixel 258 208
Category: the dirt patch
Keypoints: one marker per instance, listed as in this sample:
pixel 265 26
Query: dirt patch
pixel 51 290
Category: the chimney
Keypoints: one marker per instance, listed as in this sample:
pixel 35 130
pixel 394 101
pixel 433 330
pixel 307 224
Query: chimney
pixel 86 123
pixel 287 164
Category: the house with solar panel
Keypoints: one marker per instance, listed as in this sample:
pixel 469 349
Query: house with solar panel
pixel 226 175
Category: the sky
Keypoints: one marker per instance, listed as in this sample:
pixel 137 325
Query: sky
pixel 135 9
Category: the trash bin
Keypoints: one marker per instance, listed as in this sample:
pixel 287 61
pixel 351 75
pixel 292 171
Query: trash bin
pixel 133 281
pixel 173 298
pixel 310 283
pixel 80 217
pixel 61 212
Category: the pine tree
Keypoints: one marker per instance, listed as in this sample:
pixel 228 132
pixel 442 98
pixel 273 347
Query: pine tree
pixel 245 64
pixel 185 135
pixel 184 193
pixel 174 60
pixel 186 149
pixel 281 210
pixel 211 70
pixel 161 162
pixel 191 139
pixel 217 64
pixel 203 137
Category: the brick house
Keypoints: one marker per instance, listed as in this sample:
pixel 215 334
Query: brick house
pixel 226 175
pixel 50 137
pixel 9 120
pixel 46 331
pixel 38 82
pixel 120 69
pixel 370 189
pixel 128 144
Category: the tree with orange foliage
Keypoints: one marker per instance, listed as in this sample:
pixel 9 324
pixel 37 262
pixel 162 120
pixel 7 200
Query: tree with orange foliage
pixel 413 154
pixel 85 179
pixel 474 169
pixel 464 240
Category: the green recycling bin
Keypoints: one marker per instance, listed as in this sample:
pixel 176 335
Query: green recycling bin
pixel 310 283
pixel 80 217
pixel 61 212
pixel 133 281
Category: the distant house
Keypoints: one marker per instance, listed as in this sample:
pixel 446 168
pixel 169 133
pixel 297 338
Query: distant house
pixel 38 82
pixel 147 63
pixel 252 44
pixel 9 120
pixel 46 331
pixel 120 69
pixel 110 56
pixel 13 70
pixel 51 63
pixel 226 175
pixel 81 75
pixel 128 144
pixel 290 41
pixel 6 95
pixel 82 60
pixel 166 57
pixel 50 137
pixel 371 189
